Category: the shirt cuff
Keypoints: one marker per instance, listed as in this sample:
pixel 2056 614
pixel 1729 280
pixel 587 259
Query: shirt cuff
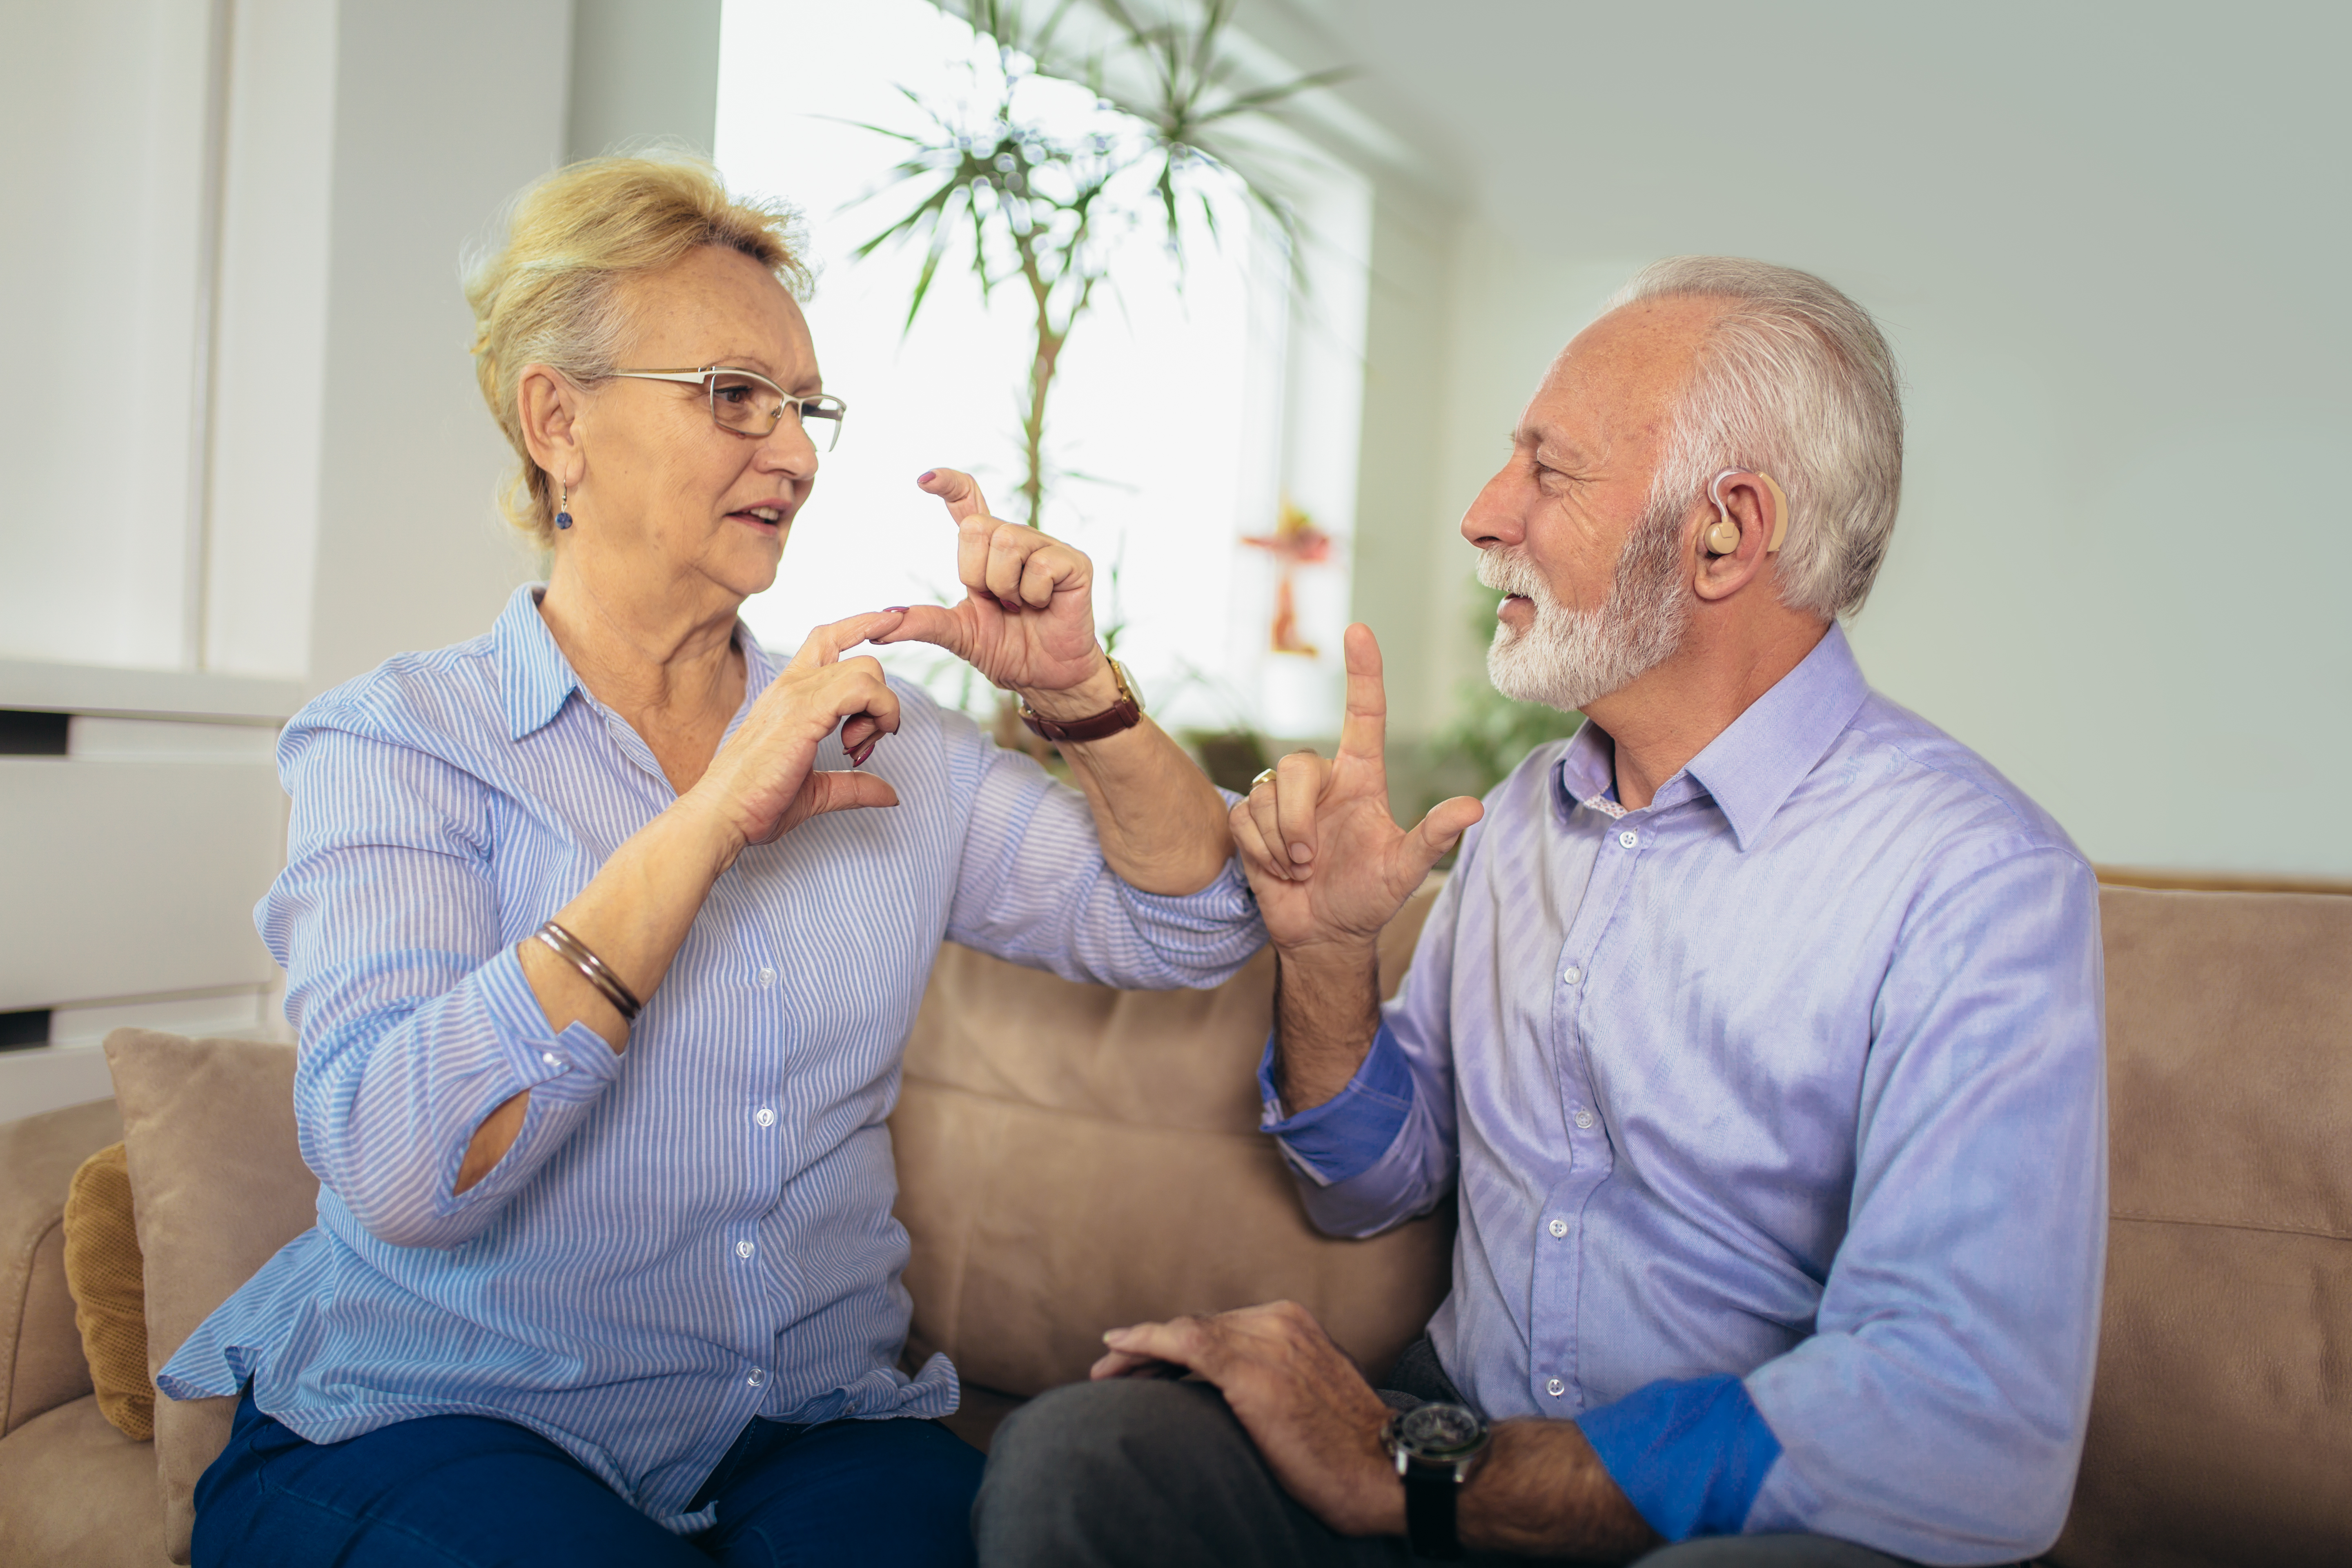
pixel 1343 1137
pixel 1689 1455
pixel 573 1065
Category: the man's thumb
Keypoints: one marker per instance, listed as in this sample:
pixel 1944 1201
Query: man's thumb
pixel 1443 829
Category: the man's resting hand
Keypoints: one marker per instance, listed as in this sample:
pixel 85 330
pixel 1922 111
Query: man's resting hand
pixel 1540 1491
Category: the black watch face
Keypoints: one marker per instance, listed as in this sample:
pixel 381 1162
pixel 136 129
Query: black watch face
pixel 1431 1430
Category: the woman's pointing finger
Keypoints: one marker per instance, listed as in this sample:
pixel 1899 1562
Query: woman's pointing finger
pixel 824 643
pixel 958 488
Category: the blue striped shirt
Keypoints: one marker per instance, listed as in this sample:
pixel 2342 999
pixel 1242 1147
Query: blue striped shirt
pixel 1777 1114
pixel 685 1236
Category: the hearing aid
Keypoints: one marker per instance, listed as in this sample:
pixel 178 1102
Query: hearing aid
pixel 1723 534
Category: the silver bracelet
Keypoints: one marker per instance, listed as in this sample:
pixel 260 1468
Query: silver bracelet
pixel 575 952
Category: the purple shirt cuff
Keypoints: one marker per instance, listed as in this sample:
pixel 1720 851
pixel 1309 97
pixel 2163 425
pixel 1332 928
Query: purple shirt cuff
pixel 1347 1133
pixel 1689 1455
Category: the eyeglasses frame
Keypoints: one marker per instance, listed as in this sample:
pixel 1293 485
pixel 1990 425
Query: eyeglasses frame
pixel 705 379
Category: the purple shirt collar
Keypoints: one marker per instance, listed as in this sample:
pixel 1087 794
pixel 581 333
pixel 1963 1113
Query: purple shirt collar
pixel 1751 768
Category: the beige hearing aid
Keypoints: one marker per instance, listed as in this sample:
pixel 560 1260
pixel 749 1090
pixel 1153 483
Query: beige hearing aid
pixel 1723 534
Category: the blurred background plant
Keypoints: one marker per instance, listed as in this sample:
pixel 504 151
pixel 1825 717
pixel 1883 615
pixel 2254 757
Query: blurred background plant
pixel 1042 209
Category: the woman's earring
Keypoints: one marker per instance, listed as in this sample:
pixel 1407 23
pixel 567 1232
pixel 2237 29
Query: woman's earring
pixel 562 506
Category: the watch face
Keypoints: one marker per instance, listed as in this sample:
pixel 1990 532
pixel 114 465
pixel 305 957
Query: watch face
pixel 1437 1429
pixel 1127 681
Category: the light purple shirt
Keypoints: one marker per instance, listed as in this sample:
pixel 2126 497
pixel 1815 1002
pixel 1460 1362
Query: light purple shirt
pixel 1775 1111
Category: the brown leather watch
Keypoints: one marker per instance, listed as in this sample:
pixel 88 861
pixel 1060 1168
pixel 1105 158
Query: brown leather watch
pixel 1124 714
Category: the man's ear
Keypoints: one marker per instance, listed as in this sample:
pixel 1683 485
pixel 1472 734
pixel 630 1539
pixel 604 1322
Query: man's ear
pixel 1750 507
pixel 549 408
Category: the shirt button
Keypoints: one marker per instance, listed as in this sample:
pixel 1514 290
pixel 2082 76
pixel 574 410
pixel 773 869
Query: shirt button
pixel 767 977
pixel 1584 1118
pixel 1559 1228
pixel 1571 975
pixel 1552 1386
pixel 742 1249
pixel 764 1117
pixel 551 1059
pixel 1629 838
pixel 758 1375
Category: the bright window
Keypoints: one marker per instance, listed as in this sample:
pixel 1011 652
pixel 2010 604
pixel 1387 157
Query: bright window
pixel 1182 421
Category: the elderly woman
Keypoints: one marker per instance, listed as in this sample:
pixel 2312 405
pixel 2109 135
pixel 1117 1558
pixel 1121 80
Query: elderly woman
pixel 603 955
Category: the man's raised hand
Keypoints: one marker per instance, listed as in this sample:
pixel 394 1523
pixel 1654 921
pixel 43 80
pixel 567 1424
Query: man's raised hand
pixel 1327 862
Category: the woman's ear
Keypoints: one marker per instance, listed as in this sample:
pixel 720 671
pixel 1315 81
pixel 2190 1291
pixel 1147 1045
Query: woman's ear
pixel 549 408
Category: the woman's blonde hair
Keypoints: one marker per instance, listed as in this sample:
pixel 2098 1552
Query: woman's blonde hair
pixel 550 294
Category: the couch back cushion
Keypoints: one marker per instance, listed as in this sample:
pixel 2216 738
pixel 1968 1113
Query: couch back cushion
pixel 41 1364
pixel 2222 1420
pixel 1073 1158
pixel 217 1185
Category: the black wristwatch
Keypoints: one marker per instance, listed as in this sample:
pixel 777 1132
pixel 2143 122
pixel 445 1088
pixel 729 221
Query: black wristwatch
pixel 1435 1448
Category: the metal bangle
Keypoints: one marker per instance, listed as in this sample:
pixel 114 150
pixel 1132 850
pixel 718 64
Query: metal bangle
pixel 575 952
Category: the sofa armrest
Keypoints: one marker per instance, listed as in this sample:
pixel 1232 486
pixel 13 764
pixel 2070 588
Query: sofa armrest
pixel 41 1361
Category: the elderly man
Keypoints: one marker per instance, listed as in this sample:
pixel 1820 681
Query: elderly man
pixel 1757 1034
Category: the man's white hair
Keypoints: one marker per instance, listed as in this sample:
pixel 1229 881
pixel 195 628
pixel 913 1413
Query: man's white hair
pixel 1794 379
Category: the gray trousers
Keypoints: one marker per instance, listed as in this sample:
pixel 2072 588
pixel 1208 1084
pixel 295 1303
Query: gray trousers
pixel 1147 1474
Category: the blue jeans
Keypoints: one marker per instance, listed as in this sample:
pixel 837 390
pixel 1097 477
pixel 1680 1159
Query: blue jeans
pixel 466 1491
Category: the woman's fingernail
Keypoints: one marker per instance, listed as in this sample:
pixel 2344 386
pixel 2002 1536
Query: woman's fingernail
pixel 894 609
pixel 926 476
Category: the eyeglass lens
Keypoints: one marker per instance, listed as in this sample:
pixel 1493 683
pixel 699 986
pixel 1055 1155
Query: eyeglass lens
pixel 751 407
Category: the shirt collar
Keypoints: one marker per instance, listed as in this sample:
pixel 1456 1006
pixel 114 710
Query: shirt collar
pixel 535 679
pixel 1762 756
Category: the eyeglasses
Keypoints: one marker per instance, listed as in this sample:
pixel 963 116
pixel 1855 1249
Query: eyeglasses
pixel 753 406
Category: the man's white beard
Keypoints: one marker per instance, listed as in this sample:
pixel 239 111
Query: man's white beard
pixel 1568 658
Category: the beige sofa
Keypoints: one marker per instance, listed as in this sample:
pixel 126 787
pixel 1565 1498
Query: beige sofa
pixel 1071 1158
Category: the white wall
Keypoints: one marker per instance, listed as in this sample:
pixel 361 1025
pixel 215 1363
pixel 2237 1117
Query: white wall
pixel 103 107
pixel 2107 244
pixel 322 498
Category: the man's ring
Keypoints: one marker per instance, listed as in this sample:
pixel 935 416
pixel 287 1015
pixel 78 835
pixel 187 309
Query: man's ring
pixel 1265 778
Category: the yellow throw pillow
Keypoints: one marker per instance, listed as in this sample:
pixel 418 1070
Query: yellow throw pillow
pixel 107 1281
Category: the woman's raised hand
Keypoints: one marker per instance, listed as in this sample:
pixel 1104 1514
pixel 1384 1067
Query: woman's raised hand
pixel 1329 864
pixel 1027 619
pixel 764 783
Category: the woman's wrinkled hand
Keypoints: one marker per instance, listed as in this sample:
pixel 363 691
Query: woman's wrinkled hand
pixel 1027 619
pixel 764 782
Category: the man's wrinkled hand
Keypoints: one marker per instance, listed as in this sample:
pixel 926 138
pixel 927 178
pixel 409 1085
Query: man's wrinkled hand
pixel 1315 1420
pixel 1329 864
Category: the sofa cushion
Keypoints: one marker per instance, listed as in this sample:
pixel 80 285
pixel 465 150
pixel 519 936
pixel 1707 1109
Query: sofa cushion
pixel 2221 1419
pixel 1073 1158
pixel 218 1186
pixel 109 1291
pixel 76 1493
pixel 41 1361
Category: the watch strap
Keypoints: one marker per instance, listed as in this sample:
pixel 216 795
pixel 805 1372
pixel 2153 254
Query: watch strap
pixel 1125 713
pixel 1429 1492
